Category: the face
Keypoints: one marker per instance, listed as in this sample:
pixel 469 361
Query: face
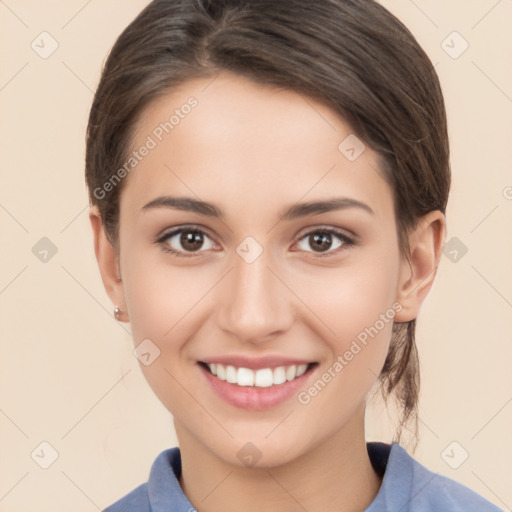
pixel 240 283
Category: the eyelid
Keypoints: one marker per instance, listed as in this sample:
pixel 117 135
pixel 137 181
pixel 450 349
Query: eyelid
pixel 327 228
pixel 165 233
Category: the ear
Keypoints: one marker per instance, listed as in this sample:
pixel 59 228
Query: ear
pixel 417 275
pixel 108 263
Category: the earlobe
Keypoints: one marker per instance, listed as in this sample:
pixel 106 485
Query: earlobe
pixel 108 263
pixel 417 274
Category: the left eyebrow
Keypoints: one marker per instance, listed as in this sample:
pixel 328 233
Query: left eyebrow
pixel 289 213
pixel 318 207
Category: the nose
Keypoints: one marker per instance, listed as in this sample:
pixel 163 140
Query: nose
pixel 255 305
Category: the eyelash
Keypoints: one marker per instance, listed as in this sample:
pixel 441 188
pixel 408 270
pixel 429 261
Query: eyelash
pixel 347 241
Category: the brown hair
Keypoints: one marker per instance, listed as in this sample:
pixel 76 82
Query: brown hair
pixel 352 55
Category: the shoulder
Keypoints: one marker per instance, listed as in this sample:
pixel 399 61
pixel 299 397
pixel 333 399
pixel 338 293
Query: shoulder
pixel 161 490
pixel 409 486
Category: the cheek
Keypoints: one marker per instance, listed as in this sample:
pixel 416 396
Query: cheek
pixel 165 306
pixel 358 305
pixel 361 314
pixel 161 297
pixel 353 298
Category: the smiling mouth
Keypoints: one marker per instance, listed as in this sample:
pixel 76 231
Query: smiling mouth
pixel 261 378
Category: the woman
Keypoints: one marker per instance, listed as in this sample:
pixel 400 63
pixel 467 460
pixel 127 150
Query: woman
pixel 268 183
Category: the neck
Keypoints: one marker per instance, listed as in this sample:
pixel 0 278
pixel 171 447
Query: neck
pixel 335 475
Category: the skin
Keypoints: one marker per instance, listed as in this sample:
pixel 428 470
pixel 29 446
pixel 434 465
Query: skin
pixel 252 150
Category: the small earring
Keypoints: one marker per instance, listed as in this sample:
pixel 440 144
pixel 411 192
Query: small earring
pixel 118 313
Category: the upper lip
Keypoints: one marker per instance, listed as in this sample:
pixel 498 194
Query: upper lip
pixel 255 363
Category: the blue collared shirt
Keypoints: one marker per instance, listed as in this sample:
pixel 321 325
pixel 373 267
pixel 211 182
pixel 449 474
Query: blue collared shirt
pixel 407 486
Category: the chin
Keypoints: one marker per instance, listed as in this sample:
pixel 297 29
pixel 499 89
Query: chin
pixel 258 452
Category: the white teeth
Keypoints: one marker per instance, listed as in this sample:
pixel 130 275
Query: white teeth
pixel 262 378
pixel 291 372
pixel 221 372
pixel 301 369
pixel 231 374
pixel 245 377
pixel 280 375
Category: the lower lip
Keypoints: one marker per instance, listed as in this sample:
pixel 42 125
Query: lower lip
pixel 255 398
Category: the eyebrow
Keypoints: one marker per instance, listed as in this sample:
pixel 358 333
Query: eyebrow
pixel 289 213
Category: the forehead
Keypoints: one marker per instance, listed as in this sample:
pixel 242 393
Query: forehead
pixel 247 146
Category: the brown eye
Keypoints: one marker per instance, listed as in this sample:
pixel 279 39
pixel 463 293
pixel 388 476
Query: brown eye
pixel 320 241
pixel 324 241
pixel 191 240
pixel 186 240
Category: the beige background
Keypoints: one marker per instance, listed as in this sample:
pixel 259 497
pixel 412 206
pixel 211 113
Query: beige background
pixel 68 375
